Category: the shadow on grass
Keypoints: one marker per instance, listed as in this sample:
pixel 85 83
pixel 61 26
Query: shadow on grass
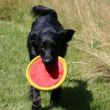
pixel 76 98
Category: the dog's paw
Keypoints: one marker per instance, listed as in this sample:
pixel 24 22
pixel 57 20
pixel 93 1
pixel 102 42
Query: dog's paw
pixel 34 107
pixel 54 104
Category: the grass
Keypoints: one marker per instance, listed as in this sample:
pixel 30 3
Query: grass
pixel 87 86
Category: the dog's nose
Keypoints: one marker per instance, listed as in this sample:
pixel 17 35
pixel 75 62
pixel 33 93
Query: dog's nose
pixel 48 61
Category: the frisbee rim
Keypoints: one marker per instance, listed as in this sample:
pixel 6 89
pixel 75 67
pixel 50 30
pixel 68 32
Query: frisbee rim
pixel 63 62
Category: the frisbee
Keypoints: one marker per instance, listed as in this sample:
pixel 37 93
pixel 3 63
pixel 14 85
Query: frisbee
pixel 44 77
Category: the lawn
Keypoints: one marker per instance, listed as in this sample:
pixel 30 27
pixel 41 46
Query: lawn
pixel 87 86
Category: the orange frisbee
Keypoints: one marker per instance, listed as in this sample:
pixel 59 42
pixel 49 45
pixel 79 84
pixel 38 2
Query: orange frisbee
pixel 46 77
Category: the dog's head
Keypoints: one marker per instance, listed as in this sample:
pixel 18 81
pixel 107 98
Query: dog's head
pixel 51 44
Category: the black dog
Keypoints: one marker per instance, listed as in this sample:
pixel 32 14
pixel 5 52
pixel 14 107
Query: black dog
pixel 49 40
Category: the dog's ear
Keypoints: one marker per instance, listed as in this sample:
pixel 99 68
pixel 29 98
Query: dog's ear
pixel 33 38
pixel 67 34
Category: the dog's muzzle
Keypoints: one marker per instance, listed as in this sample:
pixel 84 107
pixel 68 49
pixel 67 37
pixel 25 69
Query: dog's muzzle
pixel 48 61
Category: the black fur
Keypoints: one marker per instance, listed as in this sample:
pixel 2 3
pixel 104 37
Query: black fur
pixel 48 39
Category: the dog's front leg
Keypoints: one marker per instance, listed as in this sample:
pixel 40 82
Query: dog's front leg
pixel 36 100
pixel 55 96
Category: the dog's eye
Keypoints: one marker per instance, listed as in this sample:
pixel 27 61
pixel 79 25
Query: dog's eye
pixel 52 46
pixel 43 45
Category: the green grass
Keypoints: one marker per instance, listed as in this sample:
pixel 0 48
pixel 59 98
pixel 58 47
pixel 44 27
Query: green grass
pixel 87 86
pixel 12 66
